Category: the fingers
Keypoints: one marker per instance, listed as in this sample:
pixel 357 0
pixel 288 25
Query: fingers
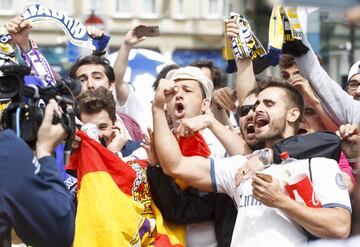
pixel 225 98
pixel 264 177
pixel 17 24
pixel 347 130
pixel 232 30
pixel 242 175
pixel 259 181
pixel 51 108
pixel 184 130
pixel 94 32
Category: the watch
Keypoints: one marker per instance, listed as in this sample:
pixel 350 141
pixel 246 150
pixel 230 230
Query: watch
pixel 264 156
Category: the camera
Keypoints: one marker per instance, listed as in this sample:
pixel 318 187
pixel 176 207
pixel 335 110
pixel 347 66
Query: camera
pixel 26 111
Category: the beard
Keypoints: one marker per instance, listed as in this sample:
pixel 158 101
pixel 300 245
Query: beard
pixel 276 129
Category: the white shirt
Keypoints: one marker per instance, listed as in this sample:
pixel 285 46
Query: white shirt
pixel 259 225
pixel 137 107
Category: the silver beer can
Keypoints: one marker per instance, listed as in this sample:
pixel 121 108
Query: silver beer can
pixel 91 130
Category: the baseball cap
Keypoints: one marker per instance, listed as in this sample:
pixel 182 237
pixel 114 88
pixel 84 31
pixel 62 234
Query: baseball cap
pixel 192 73
pixel 354 70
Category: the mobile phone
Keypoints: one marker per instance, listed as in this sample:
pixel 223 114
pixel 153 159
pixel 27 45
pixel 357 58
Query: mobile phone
pixel 148 31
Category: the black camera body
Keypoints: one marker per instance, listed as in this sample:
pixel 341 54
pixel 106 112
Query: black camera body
pixel 26 111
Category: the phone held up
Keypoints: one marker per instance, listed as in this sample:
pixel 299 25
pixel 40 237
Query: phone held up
pixel 148 31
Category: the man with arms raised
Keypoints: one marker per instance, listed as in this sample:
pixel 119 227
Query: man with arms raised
pixel 265 213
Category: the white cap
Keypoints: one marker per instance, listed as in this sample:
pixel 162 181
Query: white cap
pixel 192 73
pixel 354 70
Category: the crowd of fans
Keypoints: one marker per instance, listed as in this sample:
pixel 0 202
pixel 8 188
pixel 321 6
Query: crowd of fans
pixel 216 160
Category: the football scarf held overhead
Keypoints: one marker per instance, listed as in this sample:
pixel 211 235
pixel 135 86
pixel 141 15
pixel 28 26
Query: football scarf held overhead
pixel 293 33
pixel 75 31
pixel 245 45
pixel 276 35
pixel 114 202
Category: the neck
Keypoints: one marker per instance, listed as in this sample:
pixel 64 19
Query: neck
pixel 287 133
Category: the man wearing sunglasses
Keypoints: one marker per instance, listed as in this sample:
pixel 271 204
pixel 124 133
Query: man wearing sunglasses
pixel 246 114
pixel 265 213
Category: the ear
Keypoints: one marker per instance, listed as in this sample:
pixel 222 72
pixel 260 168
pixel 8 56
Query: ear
pixel 205 105
pixel 292 115
pixel 111 86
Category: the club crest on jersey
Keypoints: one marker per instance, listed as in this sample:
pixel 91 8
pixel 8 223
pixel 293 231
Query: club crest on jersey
pixel 340 181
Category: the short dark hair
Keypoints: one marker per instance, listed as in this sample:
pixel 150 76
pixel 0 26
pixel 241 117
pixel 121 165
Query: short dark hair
pixel 91 59
pixel 216 74
pixel 94 101
pixel 286 61
pixel 295 99
pixel 162 74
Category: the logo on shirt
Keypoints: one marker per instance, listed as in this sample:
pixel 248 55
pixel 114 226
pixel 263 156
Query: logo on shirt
pixel 340 181
pixel 37 165
pixel 248 200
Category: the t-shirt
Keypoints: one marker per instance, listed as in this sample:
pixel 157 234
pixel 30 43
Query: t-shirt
pixel 137 106
pixel 258 225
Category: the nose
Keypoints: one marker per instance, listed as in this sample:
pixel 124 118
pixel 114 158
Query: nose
pixel 90 84
pixel 357 91
pixel 179 93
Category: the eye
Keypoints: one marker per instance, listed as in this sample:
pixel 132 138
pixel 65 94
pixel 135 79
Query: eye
pixel 309 111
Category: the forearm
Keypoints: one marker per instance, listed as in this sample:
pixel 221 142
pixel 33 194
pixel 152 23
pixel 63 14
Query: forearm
pixel 321 222
pixel 194 170
pixel 337 103
pixel 245 78
pixel 232 142
pixel 328 123
pixel 120 65
pixel 167 148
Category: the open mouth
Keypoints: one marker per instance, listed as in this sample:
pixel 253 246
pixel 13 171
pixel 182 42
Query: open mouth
pixel 261 122
pixel 302 131
pixel 179 110
pixel 250 128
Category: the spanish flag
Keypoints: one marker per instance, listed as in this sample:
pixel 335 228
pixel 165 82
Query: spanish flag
pixel 114 202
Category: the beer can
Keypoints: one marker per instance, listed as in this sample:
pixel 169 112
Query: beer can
pixel 91 130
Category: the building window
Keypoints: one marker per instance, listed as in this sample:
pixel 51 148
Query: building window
pixel 179 9
pixel 6 5
pixel 149 8
pixel 123 6
pixel 214 8
pixel 95 5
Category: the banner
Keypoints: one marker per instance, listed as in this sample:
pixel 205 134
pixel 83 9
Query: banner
pixel 75 31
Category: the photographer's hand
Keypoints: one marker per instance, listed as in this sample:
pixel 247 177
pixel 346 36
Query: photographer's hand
pixel 49 135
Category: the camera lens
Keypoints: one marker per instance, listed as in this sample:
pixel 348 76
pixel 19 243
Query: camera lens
pixel 9 86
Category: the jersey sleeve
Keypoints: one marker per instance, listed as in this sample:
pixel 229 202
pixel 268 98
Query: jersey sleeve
pixel 329 184
pixel 223 173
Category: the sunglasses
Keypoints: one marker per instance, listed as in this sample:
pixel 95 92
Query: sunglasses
pixel 244 109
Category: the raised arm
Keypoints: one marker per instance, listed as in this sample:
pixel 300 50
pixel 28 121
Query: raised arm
pixel 121 63
pixel 195 170
pixel 232 142
pixel 245 77
pixel 310 98
pixel 340 106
